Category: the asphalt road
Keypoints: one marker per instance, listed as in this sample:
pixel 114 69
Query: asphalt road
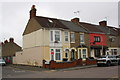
pixel 94 72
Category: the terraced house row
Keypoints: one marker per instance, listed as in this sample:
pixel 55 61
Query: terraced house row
pixel 60 40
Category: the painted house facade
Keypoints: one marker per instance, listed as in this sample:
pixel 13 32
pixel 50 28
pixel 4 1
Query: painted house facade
pixel 78 40
pixel 60 40
pixel 44 39
pixel 112 38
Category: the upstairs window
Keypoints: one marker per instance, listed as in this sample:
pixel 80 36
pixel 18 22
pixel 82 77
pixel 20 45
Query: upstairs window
pixel 72 37
pixel 66 36
pixel 51 34
pixel 57 35
pixel 97 38
pixel 81 38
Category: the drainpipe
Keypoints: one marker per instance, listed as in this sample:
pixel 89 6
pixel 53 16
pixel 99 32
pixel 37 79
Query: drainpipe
pixel 102 44
pixel 90 47
pixel 43 44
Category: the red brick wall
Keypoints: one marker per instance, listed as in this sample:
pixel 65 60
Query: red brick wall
pixel 58 65
pixel 91 61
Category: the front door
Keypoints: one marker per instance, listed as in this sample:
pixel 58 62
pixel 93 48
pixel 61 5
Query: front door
pixel 72 55
pixel 97 52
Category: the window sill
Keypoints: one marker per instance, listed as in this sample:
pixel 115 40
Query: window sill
pixel 72 42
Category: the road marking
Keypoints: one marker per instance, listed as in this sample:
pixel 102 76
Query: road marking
pixel 18 71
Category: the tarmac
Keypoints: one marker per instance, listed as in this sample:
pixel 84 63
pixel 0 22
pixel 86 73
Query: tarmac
pixel 33 68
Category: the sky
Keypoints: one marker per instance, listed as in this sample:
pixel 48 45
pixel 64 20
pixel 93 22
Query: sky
pixel 14 14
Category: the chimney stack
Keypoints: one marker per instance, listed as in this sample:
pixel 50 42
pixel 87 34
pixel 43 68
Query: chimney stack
pixel 11 40
pixel 75 20
pixel 103 23
pixel 1 43
pixel 6 41
pixel 32 11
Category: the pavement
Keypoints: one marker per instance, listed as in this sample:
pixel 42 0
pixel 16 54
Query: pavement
pixel 89 71
pixel 33 68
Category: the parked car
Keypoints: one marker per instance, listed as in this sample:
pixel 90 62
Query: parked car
pixel 118 58
pixel 107 60
pixel 2 62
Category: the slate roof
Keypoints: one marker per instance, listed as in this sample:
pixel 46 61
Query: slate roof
pixel 72 26
pixel 50 22
pixel 108 30
pixel 91 27
pixel 46 22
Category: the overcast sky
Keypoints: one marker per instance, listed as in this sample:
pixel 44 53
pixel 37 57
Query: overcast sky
pixel 14 15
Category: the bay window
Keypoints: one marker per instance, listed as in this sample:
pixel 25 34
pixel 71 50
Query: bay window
pixel 56 54
pixel 55 35
pixel 82 53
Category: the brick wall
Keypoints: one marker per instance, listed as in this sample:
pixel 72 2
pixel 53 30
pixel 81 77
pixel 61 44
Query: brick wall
pixel 57 65
pixel 91 61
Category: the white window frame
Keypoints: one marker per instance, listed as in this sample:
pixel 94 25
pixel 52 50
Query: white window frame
pixel 66 36
pixel 81 49
pixel 54 35
pixel 97 39
pixel 74 37
pixel 84 54
pixel 113 51
pixel 82 38
pixel 54 49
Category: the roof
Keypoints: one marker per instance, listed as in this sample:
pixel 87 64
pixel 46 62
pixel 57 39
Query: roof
pixel 113 30
pixel 50 22
pixel 45 22
pixel 91 27
pixel 107 30
pixel 9 49
pixel 72 26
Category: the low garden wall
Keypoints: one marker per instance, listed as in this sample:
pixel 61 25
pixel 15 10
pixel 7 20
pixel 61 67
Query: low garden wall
pixel 57 65
pixel 91 61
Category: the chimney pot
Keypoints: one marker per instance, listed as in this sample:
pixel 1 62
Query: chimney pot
pixel 1 43
pixel 103 23
pixel 75 20
pixel 11 40
pixel 6 41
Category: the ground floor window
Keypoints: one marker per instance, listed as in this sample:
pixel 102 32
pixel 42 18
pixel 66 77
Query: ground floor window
pixel 82 53
pixel 114 51
pixel 56 54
